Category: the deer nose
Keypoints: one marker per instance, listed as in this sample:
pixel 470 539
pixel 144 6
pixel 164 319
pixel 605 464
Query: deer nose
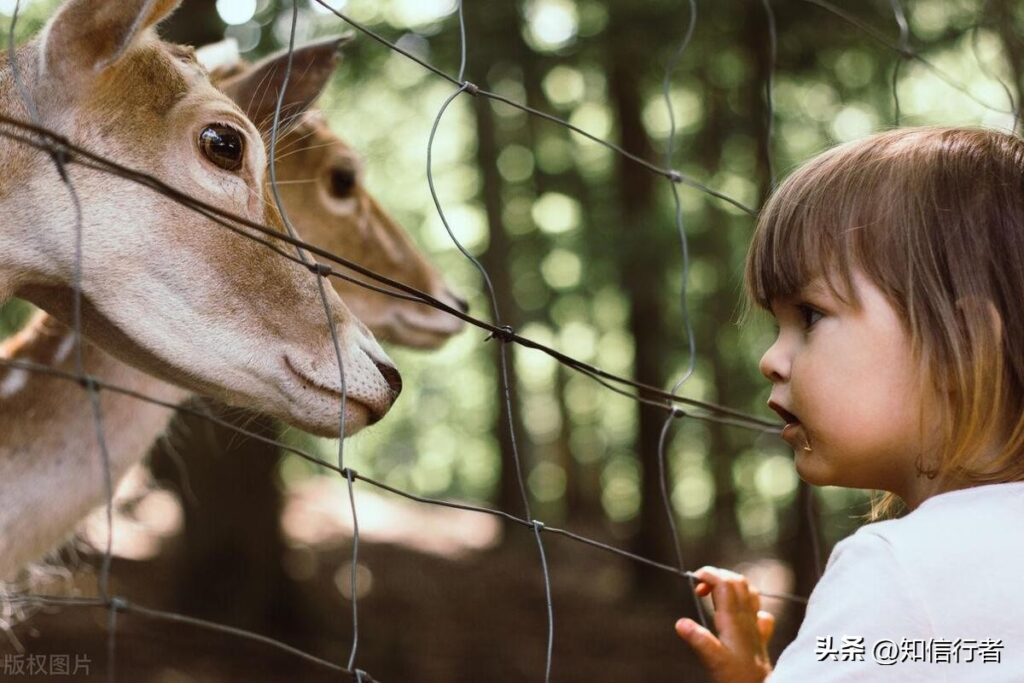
pixel 392 377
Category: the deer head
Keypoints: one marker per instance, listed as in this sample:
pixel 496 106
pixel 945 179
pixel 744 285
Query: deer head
pixel 164 288
pixel 322 189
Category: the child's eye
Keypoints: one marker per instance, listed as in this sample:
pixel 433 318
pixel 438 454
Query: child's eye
pixel 809 315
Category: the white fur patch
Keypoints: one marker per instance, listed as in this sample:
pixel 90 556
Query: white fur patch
pixel 13 383
pixel 64 349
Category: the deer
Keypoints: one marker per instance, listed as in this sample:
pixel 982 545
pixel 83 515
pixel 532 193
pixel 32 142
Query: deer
pixel 323 191
pixel 164 291
pixel 341 217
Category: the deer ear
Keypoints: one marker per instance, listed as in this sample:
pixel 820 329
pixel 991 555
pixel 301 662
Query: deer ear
pixel 256 89
pixel 86 36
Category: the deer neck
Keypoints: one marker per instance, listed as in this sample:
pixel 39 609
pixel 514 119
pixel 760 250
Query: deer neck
pixel 51 468
pixel 34 204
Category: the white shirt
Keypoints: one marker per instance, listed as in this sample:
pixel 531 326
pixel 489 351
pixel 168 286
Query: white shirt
pixel 949 570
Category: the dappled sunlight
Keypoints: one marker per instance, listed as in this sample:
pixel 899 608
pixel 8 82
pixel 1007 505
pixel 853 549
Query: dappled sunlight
pixel 551 24
pixel 144 517
pixel 318 513
pixel 234 12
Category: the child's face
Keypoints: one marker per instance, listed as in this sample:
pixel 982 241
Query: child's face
pixel 845 381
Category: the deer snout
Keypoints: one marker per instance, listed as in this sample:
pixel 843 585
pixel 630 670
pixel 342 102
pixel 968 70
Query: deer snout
pixel 392 377
pixel 394 380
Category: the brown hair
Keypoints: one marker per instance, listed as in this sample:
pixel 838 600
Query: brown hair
pixel 934 217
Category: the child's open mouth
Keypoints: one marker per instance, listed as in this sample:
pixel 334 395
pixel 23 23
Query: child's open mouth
pixel 788 417
pixel 793 432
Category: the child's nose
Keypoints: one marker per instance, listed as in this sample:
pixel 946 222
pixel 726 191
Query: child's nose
pixel 775 363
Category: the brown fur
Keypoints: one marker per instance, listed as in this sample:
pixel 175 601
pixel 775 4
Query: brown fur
pixel 163 288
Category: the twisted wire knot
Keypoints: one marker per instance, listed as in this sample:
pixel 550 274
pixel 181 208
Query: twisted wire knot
pixel 505 334
pixel 88 383
pixel 321 269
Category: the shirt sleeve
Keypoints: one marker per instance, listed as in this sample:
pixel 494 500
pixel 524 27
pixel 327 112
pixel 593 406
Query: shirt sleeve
pixel 862 616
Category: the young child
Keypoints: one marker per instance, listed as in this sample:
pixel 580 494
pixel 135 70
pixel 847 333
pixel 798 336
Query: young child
pixel 894 267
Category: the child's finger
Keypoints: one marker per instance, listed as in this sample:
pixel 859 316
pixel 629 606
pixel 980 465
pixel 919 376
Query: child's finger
pixel 755 598
pixel 765 626
pixel 729 590
pixel 708 648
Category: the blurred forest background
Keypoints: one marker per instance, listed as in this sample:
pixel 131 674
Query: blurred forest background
pixel 582 247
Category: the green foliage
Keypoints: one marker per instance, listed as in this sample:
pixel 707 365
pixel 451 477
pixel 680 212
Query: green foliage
pixel 560 206
pixel 13 316
pixel 31 17
pixel 562 210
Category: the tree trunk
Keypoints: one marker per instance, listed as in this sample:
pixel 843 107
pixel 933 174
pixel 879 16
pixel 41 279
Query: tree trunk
pixel 229 559
pixel 196 22
pixel 488 22
pixel 643 263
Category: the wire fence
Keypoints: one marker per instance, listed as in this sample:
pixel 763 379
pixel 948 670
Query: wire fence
pixel 64 152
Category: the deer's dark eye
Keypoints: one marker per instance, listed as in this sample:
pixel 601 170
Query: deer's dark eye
pixel 223 146
pixel 342 182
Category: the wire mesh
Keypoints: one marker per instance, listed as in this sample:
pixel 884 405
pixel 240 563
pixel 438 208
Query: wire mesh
pixel 63 153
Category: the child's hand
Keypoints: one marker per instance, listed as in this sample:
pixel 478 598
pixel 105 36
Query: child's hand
pixel 739 654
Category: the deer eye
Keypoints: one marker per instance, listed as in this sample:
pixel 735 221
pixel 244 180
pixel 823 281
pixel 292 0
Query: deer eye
pixel 223 146
pixel 342 182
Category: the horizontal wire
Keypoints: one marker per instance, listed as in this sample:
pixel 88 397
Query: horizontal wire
pixel 118 604
pixel 56 144
pixel 88 380
pixel 671 174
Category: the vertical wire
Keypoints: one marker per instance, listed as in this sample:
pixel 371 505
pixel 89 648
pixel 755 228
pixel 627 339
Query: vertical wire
pixel 690 340
pixel 12 57
pixel 988 72
pixel 503 346
pixel 769 90
pixel 904 53
pixel 537 526
pixel 680 228
pixel 111 643
pixel 90 387
pixel 291 230
pixel 327 312
pixel 487 284
pixel 462 45
pixel 353 577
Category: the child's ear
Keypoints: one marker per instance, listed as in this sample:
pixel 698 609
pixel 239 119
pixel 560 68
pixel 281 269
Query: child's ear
pixel 255 89
pixel 87 36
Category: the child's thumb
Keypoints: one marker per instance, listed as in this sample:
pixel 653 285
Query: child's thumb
pixel 704 643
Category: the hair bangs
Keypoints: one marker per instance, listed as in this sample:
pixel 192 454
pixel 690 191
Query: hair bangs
pixel 817 224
